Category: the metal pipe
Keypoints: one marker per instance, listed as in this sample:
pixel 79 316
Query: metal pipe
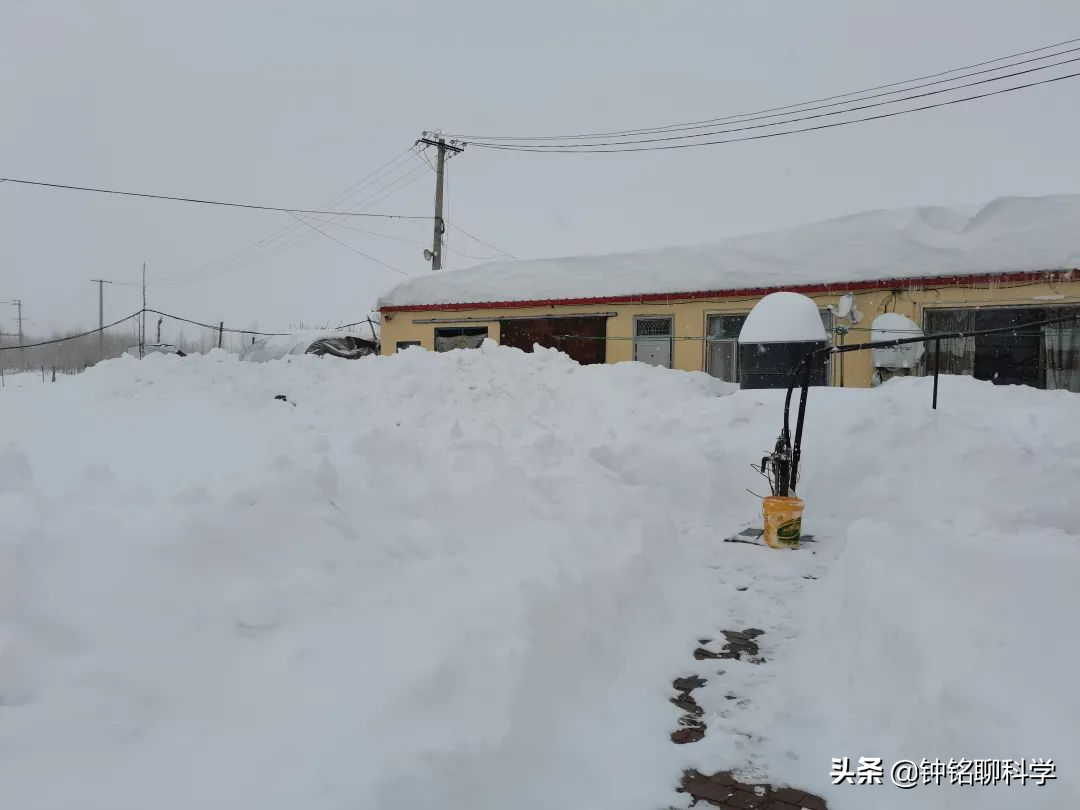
pixel 796 451
pixel 803 369
pixel 937 367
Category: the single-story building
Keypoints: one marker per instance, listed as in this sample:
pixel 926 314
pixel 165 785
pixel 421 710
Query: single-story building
pixel 1012 261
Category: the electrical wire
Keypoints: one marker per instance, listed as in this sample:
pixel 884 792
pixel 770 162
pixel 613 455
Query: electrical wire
pixel 787 121
pixel 282 233
pixel 215 327
pixel 350 247
pixel 877 117
pixel 210 273
pixel 367 231
pixel 481 241
pixel 392 188
pixel 401 239
pixel 207 202
pixel 722 119
pixel 73 337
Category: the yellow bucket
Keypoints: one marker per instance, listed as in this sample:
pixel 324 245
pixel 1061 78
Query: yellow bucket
pixel 783 521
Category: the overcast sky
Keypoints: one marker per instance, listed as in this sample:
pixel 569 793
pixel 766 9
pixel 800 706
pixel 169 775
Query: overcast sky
pixel 290 104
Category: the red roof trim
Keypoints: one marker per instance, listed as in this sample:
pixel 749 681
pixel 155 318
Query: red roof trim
pixel 830 287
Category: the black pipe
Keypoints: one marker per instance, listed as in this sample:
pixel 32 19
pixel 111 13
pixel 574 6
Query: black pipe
pixel 937 367
pixel 842 342
pixel 796 451
pixel 803 368
pixel 1000 330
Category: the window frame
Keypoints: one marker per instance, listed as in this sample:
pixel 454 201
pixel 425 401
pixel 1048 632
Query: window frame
pixel 670 318
pixel 461 331
pixel 710 340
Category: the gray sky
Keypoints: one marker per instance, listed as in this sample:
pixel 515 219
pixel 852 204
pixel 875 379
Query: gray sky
pixel 289 104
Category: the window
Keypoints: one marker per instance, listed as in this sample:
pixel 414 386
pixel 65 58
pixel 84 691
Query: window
pixel 828 320
pixel 1042 357
pixel 722 346
pixel 459 337
pixel 404 344
pixel 652 340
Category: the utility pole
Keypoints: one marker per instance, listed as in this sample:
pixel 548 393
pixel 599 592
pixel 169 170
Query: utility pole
pixel 101 282
pixel 142 316
pixel 17 302
pixel 440 175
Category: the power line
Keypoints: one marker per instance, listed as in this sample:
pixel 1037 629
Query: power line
pixel 207 202
pixel 401 183
pixel 845 111
pixel 877 117
pixel 75 337
pixel 401 239
pixel 350 247
pixel 292 228
pixel 367 231
pixel 481 241
pixel 212 272
pixel 706 122
pixel 216 328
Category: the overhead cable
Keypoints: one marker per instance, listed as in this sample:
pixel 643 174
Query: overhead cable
pixel 208 202
pixel 788 107
pixel 585 148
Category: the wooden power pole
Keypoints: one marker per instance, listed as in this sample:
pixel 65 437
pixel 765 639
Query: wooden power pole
pixel 142 318
pixel 440 176
pixel 101 282
pixel 17 303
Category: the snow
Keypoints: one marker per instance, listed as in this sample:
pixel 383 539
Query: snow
pixel 894 326
pixel 466 580
pixel 943 629
pixel 1008 234
pixel 783 317
pixel 278 346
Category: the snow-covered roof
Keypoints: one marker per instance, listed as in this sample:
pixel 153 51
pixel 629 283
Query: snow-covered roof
pixel 1010 234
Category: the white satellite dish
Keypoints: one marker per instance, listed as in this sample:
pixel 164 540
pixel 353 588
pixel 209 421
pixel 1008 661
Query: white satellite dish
pixel 845 305
pixel 856 315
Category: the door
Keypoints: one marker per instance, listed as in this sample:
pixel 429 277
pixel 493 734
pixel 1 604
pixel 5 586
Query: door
pixel 584 337
pixel 653 340
pixel 722 346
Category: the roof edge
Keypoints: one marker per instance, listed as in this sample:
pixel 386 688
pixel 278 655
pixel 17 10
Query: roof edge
pixel 679 297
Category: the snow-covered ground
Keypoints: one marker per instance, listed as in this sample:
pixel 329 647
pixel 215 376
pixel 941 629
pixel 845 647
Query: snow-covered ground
pixel 465 581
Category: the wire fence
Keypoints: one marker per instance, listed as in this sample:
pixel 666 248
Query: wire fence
pixel 146 331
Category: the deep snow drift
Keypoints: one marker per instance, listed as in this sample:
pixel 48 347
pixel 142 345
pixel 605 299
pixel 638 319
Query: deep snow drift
pixel 467 580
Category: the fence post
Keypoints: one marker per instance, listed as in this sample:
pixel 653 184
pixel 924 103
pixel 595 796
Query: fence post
pixel 937 367
pixel 220 333
pixel 54 373
pixel 43 373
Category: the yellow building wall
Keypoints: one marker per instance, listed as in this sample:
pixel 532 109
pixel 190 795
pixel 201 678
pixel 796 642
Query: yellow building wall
pixel 690 318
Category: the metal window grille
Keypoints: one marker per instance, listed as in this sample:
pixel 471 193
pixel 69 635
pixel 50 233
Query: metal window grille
pixel 654 327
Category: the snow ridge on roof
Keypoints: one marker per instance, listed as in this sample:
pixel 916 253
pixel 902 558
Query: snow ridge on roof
pixel 1009 234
